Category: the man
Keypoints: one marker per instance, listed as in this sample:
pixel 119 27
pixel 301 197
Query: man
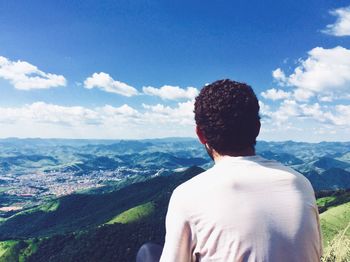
pixel 244 208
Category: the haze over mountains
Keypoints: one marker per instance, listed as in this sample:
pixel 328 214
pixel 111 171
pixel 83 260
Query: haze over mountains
pixel 33 168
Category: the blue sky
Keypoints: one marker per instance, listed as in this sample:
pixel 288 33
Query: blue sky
pixel 130 69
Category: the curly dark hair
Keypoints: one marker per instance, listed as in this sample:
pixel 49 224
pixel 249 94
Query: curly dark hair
pixel 227 114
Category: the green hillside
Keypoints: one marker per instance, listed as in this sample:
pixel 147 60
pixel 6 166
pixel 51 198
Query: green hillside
pixel 82 211
pixel 335 220
pixel 11 251
pixel 133 214
pixel 335 225
pixel 6 245
pixel 334 207
pixel 93 232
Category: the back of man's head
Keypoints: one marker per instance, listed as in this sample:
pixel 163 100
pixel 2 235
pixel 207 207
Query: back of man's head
pixel 227 115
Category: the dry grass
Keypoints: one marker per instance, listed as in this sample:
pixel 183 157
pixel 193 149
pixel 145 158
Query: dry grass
pixel 338 249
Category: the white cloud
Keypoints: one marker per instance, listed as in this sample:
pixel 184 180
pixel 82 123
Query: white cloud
pixel 122 110
pixel 341 117
pixel 313 111
pixel 275 94
pixel 287 109
pixel 25 76
pixel 279 75
pixel 290 111
pixel 171 92
pixel 182 114
pixel 326 98
pixel 342 25
pixel 41 119
pixel 264 109
pixel 106 83
pixel 326 72
pixel 337 116
pixel 41 112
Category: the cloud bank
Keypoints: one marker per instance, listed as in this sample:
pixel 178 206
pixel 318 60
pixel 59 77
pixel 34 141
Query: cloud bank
pixel 49 120
pixel 313 101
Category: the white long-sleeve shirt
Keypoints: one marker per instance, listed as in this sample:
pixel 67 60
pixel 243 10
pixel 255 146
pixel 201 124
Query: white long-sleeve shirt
pixel 243 209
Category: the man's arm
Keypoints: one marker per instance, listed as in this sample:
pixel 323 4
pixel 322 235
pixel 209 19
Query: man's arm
pixel 178 239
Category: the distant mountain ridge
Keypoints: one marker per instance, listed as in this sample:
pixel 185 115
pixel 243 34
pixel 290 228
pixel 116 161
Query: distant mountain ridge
pixel 30 166
pixel 328 162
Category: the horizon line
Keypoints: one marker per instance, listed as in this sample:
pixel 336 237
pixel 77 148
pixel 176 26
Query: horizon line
pixel 161 138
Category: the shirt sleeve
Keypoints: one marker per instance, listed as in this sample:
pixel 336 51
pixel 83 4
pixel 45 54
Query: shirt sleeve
pixel 317 217
pixel 320 239
pixel 178 239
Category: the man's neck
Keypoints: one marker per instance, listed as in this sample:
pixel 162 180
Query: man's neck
pixel 246 152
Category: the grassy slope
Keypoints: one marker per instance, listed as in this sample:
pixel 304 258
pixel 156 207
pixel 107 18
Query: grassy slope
pixel 133 214
pixel 80 211
pixel 325 201
pixel 335 220
pixel 12 251
pixel 335 224
pixel 6 245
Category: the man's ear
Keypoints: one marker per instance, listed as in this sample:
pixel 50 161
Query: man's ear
pixel 258 126
pixel 200 136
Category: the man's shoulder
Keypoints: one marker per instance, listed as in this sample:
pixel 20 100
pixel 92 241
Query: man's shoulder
pixel 296 176
pixel 192 185
pixel 254 170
